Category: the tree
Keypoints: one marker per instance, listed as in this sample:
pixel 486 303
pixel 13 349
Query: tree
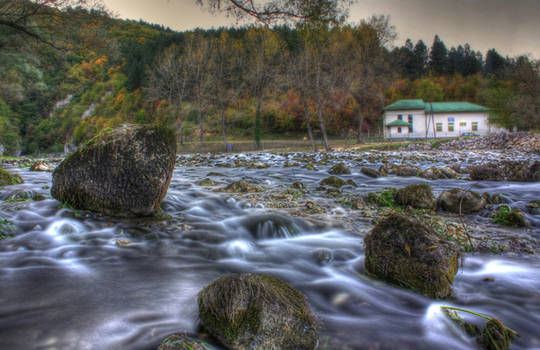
pixel 421 56
pixel 365 71
pixel 263 48
pixel 169 80
pixel 198 53
pixel 45 21
pixel 495 63
pixel 438 58
pixel 267 11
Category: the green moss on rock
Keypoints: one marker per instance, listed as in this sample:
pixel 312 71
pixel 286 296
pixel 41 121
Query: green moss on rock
pixel 253 311
pixel 242 187
pixel 417 196
pixel 339 169
pixel 122 172
pixel 7 178
pixel 406 252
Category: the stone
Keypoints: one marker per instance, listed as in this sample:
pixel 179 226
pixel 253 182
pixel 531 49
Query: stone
pixel 461 201
pixel 322 256
pixel 333 181
pixel 418 196
pixel 7 178
pixel 257 312
pixel 123 172
pixel 182 342
pixel 40 166
pixel 243 187
pixel 533 207
pixel 370 172
pixel 406 252
pixel 339 169
pixel 486 172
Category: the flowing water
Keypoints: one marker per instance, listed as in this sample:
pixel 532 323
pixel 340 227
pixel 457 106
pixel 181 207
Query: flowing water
pixel 75 280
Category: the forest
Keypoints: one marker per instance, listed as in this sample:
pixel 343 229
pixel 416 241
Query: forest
pixel 88 71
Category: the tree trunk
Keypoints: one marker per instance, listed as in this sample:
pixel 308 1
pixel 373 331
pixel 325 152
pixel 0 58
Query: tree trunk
pixel 319 111
pixel 360 117
pixel 180 126
pixel 223 131
pixel 258 123
pixel 201 128
pixel 308 124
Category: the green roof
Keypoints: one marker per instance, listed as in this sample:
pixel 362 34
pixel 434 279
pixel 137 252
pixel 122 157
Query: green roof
pixel 405 105
pixel 398 123
pixel 453 107
pixel 438 107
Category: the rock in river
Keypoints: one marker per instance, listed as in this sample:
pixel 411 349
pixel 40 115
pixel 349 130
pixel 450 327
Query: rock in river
pixel 122 172
pixel 417 196
pixel 7 178
pixel 253 311
pixel 461 201
pixel 406 252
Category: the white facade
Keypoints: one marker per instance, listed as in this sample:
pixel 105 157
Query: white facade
pixel 439 126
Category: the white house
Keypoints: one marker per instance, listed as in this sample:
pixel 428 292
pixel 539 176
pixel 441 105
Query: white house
pixel 419 119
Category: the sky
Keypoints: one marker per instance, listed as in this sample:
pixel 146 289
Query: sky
pixel 510 26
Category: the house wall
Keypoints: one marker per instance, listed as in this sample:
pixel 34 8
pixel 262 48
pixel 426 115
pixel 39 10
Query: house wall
pixel 419 124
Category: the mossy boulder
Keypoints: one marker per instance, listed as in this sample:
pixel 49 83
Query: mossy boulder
pixel 123 172
pixel 243 187
pixel 461 201
pixel 486 172
pixel 183 342
pixel 339 169
pixel 434 173
pixel 533 207
pixel 370 172
pixel 505 215
pixel 336 182
pixel 7 178
pixel 408 253
pixel 254 311
pixel 417 196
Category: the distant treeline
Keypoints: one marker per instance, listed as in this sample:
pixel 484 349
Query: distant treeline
pixel 317 80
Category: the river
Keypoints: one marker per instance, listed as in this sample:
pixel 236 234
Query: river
pixel 76 280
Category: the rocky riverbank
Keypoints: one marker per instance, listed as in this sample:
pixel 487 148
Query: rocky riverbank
pixel 522 142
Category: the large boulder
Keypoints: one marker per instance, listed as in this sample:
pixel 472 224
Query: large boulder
pixel 123 172
pixel 253 311
pixel 183 342
pixel 7 178
pixel 486 172
pixel 461 201
pixel 406 252
pixel 417 196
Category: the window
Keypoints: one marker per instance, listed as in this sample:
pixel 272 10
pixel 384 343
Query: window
pixel 400 117
pixel 410 122
pixel 439 127
pixel 474 126
pixel 450 127
pixel 462 124
pixel 399 130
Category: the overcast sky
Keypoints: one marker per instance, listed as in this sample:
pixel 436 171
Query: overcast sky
pixel 510 26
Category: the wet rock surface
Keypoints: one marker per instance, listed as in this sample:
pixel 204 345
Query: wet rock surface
pixel 253 311
pixel 124 172
pixel 408 253
pixel 461 201
pixel 7 178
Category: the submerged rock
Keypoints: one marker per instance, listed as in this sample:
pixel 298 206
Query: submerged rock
pixel 461 201
pixel 417 196
pixel 7 178
pixel 182 342
pixel 254 311
pixel 243 187
pixel 406 252
pixel 124 172
pixel 533 207
pixel 339 169
pixel 370 172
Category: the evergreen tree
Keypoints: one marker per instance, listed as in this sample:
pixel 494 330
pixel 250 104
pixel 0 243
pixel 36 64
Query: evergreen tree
pixel 495 63
pixel 438 58
pixel 421 56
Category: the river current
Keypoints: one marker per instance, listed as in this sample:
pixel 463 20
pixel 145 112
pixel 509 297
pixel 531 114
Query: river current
pixel 76 280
